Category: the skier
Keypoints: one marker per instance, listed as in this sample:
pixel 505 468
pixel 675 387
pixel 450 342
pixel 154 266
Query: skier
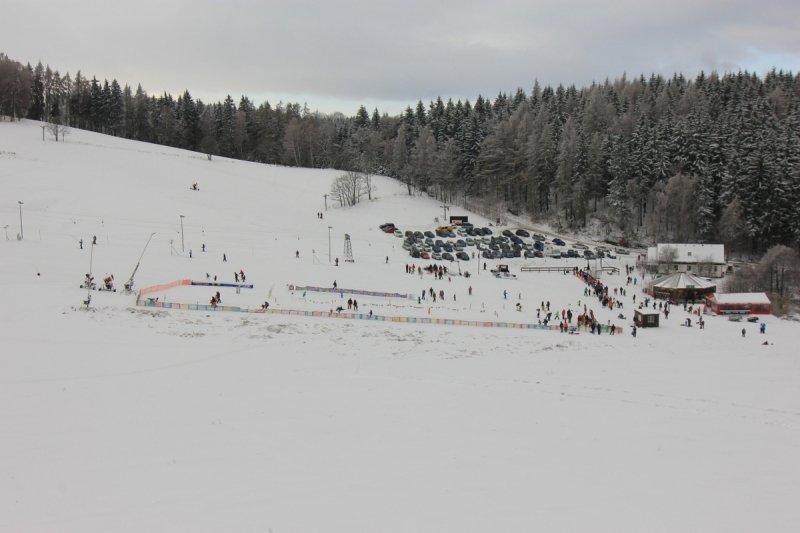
pixel 505 294
pixel 219 298
pixel 297 254
pixel 190 253
pixel 337 261
pixel 224 258
pixel 763 328
pixel 743 332
pixel 470 290
pixel 334 284
pixel 204 247
pixel 387 259
pixel 94 239
pixel 236 277
pixel 241 275
pixel 80 243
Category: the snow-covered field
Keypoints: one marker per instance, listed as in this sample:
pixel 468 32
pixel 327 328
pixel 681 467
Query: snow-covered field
pixel 129 419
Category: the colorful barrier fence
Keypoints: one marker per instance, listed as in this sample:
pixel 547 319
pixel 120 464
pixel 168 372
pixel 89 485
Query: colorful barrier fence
pixel 339 290
pixel 150 302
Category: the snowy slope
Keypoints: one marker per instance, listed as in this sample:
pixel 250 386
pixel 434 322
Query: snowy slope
pixel 124 418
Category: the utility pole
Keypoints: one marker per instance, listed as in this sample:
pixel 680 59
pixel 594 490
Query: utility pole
pixel 326 201
pixel 183 249
pixel 20 220
pixel 329 243
pixel 445 207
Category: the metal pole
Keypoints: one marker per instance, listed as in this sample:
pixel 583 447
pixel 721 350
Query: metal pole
pixel 445 207
pixel 183 249
pixel 329 243
pixel 326 201
pixel 20 220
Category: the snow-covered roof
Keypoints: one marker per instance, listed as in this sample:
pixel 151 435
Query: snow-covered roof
pixel 742 298
pixel 682 280
pixel 687 253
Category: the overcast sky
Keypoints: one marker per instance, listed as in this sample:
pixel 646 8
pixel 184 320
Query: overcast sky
pixel 337 55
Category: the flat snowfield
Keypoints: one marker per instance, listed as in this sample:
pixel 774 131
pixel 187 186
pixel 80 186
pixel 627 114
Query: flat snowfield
pixel 125 418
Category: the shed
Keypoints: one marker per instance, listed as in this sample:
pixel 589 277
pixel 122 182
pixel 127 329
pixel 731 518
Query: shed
pixel 645 318
pixel 681 287
pixel 739 303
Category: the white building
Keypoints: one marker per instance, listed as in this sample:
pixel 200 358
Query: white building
pixel 698 259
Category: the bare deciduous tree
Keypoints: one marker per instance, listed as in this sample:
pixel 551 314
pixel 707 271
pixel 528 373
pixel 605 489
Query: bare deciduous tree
pixel 348 188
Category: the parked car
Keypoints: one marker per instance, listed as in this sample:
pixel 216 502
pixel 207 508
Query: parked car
pixel 386 225
pixel 486 231
pixel 414 253
pixel 572 253
pixel 507 232
pixel 622 251
pixel 559 242
pixel 424 255
pixel 522 233
pixel 462 256
pixel 398 233
pixel 487 254
pixel 588 254
pixel 437 256
pixel 580 246
pixel 447 257
pixel 538 237
pixel 538 245
pixel 430 234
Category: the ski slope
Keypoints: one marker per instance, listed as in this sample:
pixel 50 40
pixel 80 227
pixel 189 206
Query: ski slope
pixel 127 418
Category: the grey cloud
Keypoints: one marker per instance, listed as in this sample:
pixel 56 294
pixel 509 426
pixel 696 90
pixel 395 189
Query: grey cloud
pixel 397 51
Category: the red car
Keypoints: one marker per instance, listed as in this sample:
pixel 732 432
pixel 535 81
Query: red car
pixel 424 255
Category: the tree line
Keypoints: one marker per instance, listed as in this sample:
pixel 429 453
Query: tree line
pixel 710 159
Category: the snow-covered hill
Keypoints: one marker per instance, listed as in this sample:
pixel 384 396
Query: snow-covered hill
pixel 129 418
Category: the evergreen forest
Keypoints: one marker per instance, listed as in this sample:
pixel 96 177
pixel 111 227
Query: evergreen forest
pixel 714 158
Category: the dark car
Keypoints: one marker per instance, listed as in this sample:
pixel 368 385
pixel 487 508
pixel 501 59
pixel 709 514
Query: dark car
pixel 529 254
pixel 463 256
pixel 448 247
pixel 447 256
pixel 508 254
pixel 572 253
pixel 487 254
pixel 588 254
pixel 414 253
pixel 430 234
pixel 486 231
pixel 538 245
pixel 538 253
pixel 538 237
pixel 559 242
pixel 522 233
pixel 507 232
pixel 386 225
